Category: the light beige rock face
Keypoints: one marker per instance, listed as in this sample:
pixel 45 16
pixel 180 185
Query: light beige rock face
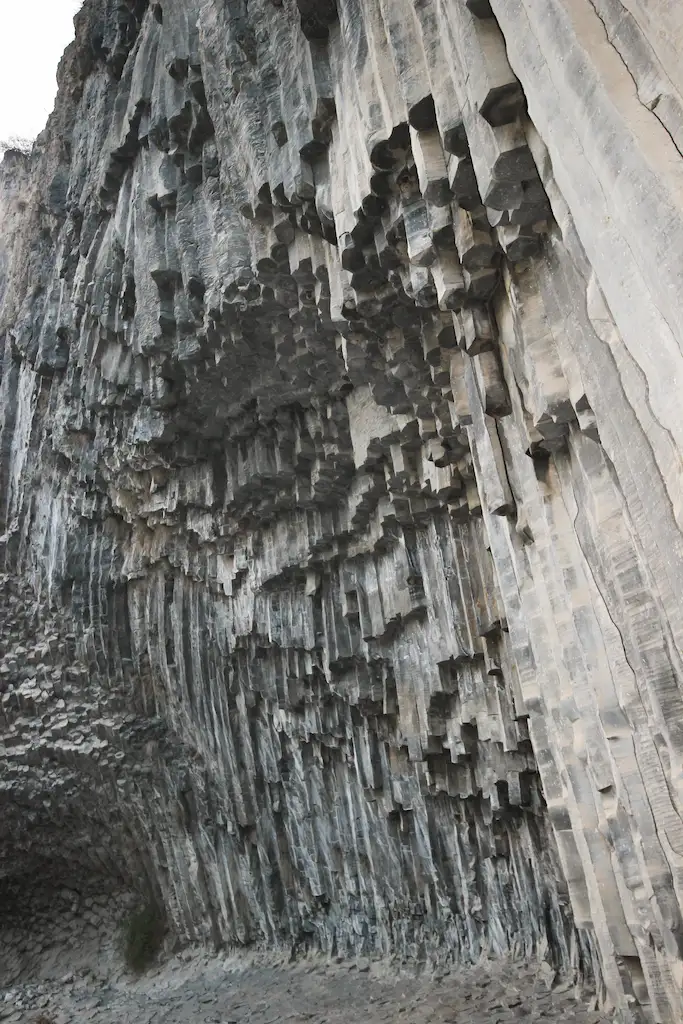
pixel 340 422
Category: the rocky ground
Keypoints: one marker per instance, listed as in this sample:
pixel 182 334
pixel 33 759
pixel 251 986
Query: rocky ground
pixel 264 989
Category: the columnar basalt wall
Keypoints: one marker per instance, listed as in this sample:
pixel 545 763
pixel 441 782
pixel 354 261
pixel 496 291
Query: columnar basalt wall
pixel 340 449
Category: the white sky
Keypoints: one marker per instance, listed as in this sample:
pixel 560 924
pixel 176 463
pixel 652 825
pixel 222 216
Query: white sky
pixel 33 37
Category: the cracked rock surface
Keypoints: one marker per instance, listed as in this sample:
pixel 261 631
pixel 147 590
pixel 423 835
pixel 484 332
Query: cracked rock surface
pixel 340 485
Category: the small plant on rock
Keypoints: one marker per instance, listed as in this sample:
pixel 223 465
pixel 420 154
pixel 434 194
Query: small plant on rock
pixel 143 935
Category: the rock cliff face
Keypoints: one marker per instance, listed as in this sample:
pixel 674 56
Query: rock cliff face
pixel 341 478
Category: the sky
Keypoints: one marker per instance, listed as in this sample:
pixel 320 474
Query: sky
pixel 33 36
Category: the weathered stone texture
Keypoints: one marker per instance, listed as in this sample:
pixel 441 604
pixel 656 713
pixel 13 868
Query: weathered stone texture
pixel 340 443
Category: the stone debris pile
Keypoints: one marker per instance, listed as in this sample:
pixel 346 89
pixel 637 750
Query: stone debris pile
pixel 261 989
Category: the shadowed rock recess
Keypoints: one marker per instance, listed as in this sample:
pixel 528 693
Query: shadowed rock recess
pixel 341 443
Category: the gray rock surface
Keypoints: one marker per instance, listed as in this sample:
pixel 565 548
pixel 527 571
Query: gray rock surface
pixel 266 989
pixel 340 481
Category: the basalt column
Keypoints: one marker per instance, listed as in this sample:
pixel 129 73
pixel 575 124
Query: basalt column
pixel 341 478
